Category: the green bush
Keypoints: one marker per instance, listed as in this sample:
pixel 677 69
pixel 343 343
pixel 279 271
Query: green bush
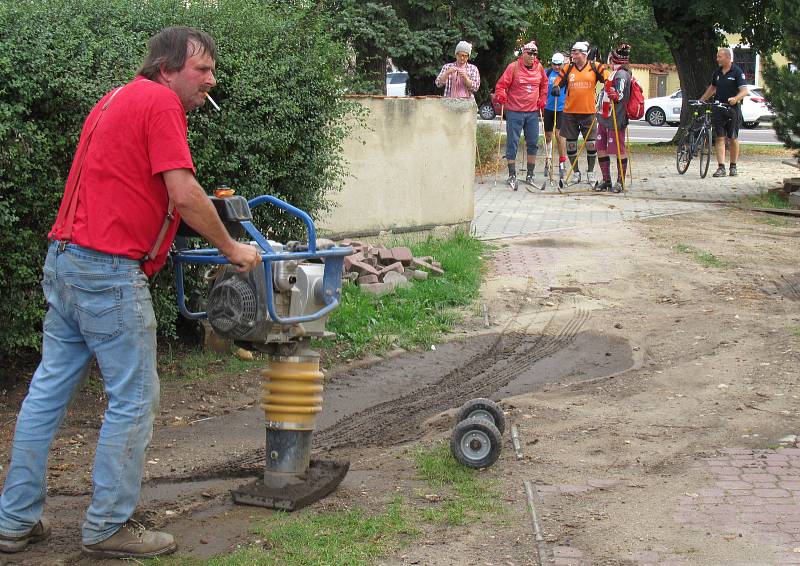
pixel 487 139
pixel 783 84
pixel 280 130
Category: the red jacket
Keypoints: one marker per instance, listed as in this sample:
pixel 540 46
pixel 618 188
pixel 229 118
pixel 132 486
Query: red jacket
pixel 525 89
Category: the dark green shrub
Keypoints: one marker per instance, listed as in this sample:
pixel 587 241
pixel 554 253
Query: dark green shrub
pixel 279 132
pixel 783 83
pixel 487 139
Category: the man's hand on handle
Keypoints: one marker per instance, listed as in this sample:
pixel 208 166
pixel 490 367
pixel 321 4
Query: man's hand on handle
pixel 244 256
pixel 196 209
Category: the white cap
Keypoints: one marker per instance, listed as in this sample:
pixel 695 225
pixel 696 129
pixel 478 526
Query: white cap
pixel 557 59
pixel 581 46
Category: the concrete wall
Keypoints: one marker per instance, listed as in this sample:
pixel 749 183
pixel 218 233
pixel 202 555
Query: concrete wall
pixel 412 168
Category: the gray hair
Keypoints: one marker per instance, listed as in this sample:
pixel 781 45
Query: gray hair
pixel 727 50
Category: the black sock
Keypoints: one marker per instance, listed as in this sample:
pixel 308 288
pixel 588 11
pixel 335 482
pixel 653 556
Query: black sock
pixel 512 169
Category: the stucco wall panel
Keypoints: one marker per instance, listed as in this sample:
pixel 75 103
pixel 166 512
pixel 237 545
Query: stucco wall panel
pixel 412 166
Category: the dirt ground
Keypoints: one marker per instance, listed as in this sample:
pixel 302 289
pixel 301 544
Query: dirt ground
pixel 624 362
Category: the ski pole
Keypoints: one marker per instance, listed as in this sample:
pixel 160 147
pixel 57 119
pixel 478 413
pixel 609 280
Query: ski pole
pixel 480 164
pixel 616 139
pixel 499 137
pixel 548 147
pixel 580 149
pixel 630 156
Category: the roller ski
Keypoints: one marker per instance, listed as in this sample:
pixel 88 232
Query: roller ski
pixel 569 180
pixel 530 185
pixel 591 178
pixel 548 174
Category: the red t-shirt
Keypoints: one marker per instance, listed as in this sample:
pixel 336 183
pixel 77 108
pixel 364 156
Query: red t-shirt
pixel 122 198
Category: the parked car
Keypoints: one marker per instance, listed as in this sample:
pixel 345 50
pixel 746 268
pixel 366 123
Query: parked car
pixel 667 109
pixel 489 109
pixel 396 83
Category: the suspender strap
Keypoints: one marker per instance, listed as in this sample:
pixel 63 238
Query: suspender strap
pixel 161 233
pixel 71 190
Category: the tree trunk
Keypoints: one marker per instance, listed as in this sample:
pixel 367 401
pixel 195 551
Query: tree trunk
pixel 696 64
pixel 693 46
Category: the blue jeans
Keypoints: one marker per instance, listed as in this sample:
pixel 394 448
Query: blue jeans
pixel 517 122
pixel 98 305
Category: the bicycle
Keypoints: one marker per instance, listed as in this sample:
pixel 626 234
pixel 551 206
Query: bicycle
pixel 696 139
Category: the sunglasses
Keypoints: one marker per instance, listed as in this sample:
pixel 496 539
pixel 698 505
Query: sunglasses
pixel 531 52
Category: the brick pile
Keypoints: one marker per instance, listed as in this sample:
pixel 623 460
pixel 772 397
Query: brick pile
pixel 380 270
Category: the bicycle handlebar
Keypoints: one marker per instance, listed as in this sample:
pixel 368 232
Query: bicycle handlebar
pixel 707 103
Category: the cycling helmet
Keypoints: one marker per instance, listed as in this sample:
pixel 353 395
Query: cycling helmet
pixel 557 59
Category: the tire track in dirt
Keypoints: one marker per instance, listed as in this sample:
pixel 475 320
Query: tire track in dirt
pixel 400 419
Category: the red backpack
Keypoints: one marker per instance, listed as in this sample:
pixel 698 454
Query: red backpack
pixel 635 104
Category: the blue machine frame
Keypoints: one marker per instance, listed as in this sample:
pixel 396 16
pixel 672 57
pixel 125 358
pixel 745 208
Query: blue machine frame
pixel 332 276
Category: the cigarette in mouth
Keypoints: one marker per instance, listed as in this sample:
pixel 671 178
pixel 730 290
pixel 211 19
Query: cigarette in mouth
pixel 214 104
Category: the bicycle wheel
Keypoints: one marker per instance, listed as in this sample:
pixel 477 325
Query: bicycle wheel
pixel 683 154
pixel 705 152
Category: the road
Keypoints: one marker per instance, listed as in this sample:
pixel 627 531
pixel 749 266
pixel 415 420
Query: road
pixel 641 131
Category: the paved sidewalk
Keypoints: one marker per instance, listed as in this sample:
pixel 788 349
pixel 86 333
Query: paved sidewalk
pixel 751 496
pixel 656 190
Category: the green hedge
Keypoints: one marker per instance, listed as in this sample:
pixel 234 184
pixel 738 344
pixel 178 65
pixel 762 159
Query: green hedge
pixel 280 130
pixel 783 85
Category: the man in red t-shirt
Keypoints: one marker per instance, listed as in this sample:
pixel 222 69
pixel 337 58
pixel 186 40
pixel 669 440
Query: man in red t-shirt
pixel 131 178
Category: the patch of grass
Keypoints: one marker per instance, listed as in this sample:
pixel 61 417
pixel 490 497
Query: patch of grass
pixel 196 364
pixel 410 318
pixel 354 537
pixel 775 221
pixel 467 496
pixel 796 331
pixel 350 538
pixel 768 200
pixel 661 148
pixel 705 258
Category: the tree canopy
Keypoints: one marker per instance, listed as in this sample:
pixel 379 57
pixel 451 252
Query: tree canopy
pixel 693 30
pixel 420 35
pixel 783 83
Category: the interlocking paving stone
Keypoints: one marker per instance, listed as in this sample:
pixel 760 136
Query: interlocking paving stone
pixel 765 516
pixel 657 190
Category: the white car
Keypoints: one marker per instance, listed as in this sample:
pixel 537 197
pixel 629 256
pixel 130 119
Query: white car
pixel 667 109
pixel 396 83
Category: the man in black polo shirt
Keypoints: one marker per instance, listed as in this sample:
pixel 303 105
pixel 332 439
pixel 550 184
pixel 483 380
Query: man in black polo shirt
pixel 727 85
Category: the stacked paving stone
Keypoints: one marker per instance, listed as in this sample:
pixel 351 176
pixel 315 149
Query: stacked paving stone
pixel 381 270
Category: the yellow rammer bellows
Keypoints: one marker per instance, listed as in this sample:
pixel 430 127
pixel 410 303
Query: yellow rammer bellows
pixel 292 393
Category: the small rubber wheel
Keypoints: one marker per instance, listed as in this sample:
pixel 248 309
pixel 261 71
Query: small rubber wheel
pixel 476 443
pixel 483 409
